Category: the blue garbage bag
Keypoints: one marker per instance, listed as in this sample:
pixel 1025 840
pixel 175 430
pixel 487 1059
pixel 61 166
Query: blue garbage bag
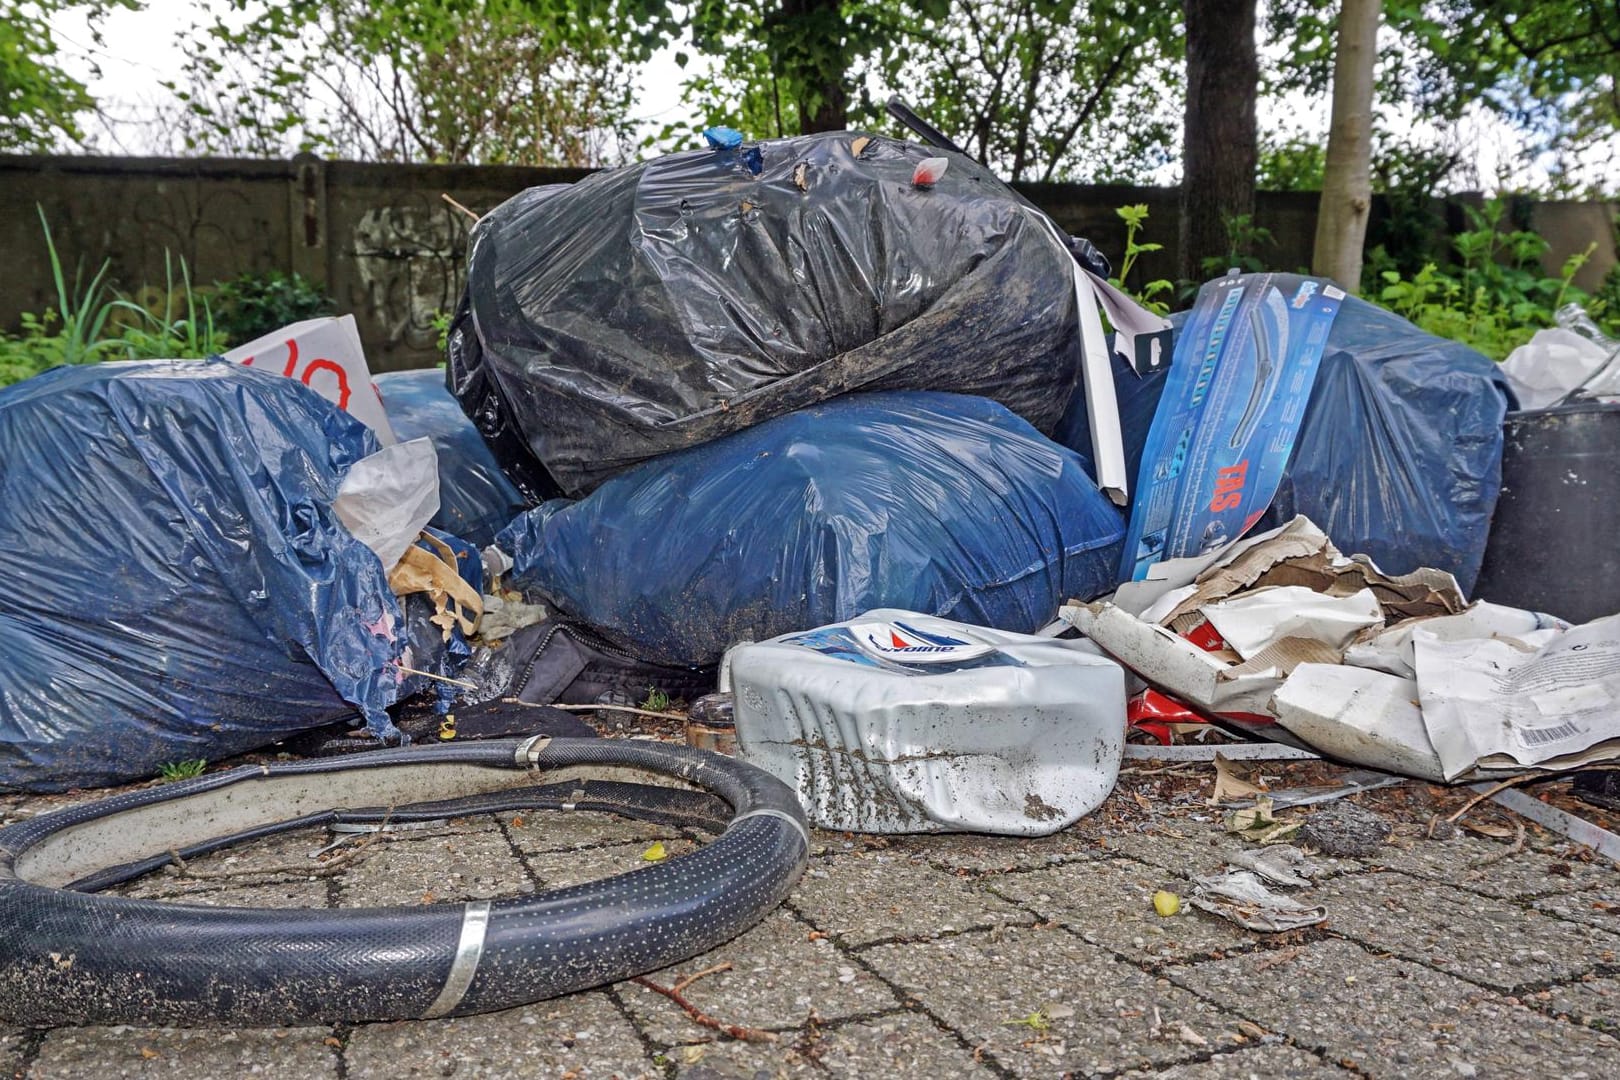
pixel 1399 456
pixel 476 500
pixel 173 582
pixel 932 502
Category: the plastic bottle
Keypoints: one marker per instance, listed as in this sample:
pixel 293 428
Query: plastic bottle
pixel 1604 382
pixel 897 722
pixel 1573 317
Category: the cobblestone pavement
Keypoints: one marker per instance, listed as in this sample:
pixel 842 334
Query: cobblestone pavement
pixel 945 956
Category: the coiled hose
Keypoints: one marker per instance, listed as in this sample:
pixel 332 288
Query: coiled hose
pixel 69 956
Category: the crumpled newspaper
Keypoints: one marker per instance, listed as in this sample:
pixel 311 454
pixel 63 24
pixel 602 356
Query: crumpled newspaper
pixel 1242 897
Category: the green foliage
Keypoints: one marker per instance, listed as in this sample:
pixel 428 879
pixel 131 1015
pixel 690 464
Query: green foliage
pixel 40 104
pixel 1148 296
pixel 657 700
pixel 1044 89
pixel 1293 164
pixel 1496 296
pixel 482 81
pixel 1243 239
pixel 178 323
pixel 90 323
pixel 1546 66
pixel 170 771
pixel 254 303
pixel 1035 89
pixel 441 323
pixel 1411 233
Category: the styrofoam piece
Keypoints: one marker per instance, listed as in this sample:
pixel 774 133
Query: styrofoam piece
pixel 897 722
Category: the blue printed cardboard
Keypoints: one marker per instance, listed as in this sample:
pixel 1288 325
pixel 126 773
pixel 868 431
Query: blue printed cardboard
pixel 1239 382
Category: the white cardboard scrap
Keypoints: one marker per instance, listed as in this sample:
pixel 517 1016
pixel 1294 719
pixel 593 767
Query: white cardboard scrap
pixel 1498 703
pixel 1391 650
pixel 1092 294
pixel 326 356
pixel 1360 715
pixel 1168 660
pixel 1254 621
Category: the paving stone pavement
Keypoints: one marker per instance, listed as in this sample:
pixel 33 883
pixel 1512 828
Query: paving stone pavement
pixel 947 956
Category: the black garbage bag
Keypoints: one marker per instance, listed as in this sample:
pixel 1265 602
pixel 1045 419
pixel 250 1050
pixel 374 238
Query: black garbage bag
pixel 476 500
pixel 938 503
pixel 661 306
pixel 1399 455
pixel 173 582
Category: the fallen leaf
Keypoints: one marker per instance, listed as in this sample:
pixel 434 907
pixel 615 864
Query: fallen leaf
pixel 1191 1037
pixel 656 853
pixel 816 935
pixel 1166 903
pixel 1495 832
pixel 1231 783
pixel 333 1040
pixel 801 176
pixel 859 145
pixel 690 1055
pixel 148 1053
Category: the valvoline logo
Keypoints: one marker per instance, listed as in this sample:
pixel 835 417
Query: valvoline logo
pixel 911 645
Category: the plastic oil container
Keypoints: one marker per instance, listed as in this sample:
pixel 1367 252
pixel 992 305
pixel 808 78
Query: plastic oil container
pixel 897 722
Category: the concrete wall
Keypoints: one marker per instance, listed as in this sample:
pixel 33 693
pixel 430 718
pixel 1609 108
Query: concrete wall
pixel 392 252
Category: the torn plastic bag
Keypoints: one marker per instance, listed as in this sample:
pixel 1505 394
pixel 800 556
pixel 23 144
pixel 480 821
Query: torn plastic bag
pixel 937 503
pixel 173 582
pixel 1399 455
pixel 657 307
pixel 385 500
pixel 476 500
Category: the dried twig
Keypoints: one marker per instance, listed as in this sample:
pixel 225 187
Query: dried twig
pixel 445 195
pixel 1516 847
pixel 621 708
pixel 327 868
pixel 1173 770
pixel 337 863
pixel 1503 786
pixel 682 984
pixel 735 1031
pixel 441 678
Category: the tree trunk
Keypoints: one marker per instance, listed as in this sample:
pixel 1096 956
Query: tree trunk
pixel 1341 221
pixel 817 74
pixel 1219 141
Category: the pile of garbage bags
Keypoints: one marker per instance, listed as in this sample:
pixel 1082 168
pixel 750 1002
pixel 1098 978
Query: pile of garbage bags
pixel 838 395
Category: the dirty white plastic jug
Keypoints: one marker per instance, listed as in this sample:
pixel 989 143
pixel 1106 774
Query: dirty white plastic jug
pixel 898 722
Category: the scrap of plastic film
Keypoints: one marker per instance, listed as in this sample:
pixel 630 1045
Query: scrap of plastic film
pixel 722 138
pixel 929 171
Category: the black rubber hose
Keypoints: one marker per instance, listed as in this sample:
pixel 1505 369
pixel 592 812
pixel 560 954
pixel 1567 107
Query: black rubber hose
pixel 68 956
